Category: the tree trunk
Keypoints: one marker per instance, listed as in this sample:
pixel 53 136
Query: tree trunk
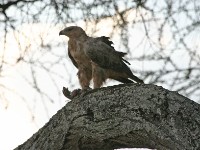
pixel 123 116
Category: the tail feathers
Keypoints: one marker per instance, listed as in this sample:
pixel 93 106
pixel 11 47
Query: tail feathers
pixel 126 80
pixel 133 77
pixel 130 74
pixel 122 67
pixel 126 61
pixel 123 80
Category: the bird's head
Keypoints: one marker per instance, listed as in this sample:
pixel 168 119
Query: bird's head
pixel 72 32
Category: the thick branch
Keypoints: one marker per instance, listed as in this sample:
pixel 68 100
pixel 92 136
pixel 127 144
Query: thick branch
pixel 122 116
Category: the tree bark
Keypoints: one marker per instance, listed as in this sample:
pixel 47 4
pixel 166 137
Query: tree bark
pixel 123 116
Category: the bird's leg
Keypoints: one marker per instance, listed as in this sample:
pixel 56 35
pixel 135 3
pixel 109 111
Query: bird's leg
pixel 84 77
pixel 97 82
pixel 98 76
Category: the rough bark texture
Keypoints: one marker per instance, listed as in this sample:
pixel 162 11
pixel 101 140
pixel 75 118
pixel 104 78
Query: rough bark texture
pixel 123 116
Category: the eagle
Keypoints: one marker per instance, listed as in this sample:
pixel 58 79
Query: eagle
pixel 96 59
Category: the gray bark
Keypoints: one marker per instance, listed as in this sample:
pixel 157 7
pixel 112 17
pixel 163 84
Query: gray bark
pixel 123 116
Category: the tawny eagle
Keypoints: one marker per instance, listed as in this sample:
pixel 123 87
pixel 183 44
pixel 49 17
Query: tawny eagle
pixel 96 59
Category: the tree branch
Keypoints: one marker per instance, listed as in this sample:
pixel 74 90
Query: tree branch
pixel 122 116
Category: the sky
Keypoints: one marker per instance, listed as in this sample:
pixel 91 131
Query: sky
pixel 24 111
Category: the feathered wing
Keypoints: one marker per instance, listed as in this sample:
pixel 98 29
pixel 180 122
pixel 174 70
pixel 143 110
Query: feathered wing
pixel 107 41
pixel 107 58
pixel 103 39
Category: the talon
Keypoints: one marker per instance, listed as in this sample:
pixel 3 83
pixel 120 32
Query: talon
pixel 86 89
pixel 75 92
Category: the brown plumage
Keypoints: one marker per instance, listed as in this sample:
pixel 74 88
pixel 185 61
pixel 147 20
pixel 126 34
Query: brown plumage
pixel 96 59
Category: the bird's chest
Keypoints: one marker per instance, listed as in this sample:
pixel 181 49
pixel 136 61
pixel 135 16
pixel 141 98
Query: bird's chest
pixel 77 53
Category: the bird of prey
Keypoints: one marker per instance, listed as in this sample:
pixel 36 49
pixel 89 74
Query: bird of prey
pixel 96 59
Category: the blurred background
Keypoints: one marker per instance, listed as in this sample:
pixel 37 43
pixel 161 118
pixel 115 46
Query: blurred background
pixel 162 39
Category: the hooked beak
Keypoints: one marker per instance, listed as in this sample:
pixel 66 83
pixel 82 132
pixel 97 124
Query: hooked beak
pixel 61 33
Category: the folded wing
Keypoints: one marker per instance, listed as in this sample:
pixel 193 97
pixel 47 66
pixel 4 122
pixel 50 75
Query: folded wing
pixel 108 58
